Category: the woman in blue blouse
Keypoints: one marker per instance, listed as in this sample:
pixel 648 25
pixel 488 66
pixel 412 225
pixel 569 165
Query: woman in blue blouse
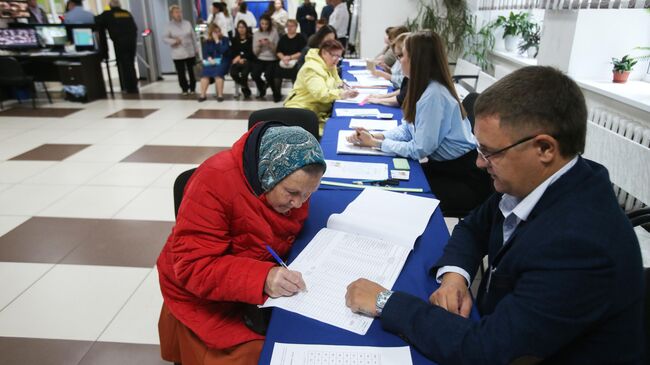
pixel 435 127
pixel 216 61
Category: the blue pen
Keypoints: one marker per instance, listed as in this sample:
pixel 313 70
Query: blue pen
pixel 276 257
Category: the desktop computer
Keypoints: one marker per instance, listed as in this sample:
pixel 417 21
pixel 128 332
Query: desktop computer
pixel 18 38
pixel 52 35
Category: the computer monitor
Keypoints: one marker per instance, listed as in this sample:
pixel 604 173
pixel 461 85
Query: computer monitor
pixel 52 35
pixel 17 38
pixel 83 38
pixel 13 9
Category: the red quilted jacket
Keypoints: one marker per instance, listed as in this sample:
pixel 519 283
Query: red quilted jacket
pixel 214 259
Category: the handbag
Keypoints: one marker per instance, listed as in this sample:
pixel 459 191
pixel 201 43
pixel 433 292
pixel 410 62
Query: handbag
pixel 257 319
pixel 291 64
pixel 198 70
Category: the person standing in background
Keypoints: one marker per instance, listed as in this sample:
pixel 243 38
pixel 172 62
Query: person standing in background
pixel 278 15
pixel 306 15
pixel 36 14
pixel 76 14
pixel 235 10
pixel 246 16
pixel 327 10
pixel 124 33
pixel 218 17
pixel 180 36
pixel 340 19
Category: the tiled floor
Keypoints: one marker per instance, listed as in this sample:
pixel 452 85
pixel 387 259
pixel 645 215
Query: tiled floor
pixel 85 207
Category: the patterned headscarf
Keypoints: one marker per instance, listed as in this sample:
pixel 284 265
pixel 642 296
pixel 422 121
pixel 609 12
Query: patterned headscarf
pixel 284 150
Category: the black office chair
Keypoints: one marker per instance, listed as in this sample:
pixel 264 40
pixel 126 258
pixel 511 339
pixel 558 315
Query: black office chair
pixel 289 116
pixel 179 188
pixel 468 104
pixel 12 75
pixel 641 217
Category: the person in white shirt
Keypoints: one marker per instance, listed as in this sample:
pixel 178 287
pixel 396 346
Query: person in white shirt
pixel 278 15
pixel 340 19
pixel 179 35
pixel 218 17
pixel 246 15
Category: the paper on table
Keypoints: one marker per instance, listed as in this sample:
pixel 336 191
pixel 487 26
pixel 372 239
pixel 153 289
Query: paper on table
pixel 356 62
pixel 394 217
pixel 377 91
pixel 360 72
pixel 343 147
pixel 356 170
pixel 356 112
pixel 292 354
pixel 356 100
pixel 372 81
pixel 373 124
pixel 329 263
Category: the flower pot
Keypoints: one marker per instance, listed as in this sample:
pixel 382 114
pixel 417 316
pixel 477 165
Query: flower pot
pixel 532 51
pixel 620 77
pixel 511 42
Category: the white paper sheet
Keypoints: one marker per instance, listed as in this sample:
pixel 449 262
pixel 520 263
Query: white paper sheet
pixel 356 170
pixel 329 263
pixel 394 217
pixel 360 72
pixel 356 112
pixel 356 100
pixel 343 147
pixel 373 124
pixel 298 354
pixel 356 62
pixel 372 81
pixel 377 91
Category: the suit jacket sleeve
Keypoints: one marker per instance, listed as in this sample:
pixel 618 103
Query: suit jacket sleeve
pixel 564 289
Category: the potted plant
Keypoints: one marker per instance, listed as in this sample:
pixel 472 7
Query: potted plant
pixel 530 43
pixel 513 25
pixel 622 68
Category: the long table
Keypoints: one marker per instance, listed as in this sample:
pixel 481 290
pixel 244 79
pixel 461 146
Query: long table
pixel 288 327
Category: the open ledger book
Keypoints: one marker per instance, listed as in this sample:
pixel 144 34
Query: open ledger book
pixel 371 239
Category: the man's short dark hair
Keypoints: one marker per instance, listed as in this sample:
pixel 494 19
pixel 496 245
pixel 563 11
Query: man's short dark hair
pixel 77 2
pixel 541 98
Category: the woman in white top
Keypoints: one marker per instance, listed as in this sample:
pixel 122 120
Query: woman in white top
pixel 219 18
pixel 180 36
pixel 278 15
pixel 245 15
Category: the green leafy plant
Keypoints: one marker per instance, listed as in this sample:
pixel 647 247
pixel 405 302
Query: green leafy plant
pixel 479 43
pixel 531 38
pixel 623 64
pixel 514 24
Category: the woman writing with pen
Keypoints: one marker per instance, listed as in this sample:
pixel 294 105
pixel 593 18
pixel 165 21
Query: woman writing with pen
pixel 435 128
pixel 318 84
pixel 241 208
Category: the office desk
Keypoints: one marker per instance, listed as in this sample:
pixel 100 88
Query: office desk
pixel 69 69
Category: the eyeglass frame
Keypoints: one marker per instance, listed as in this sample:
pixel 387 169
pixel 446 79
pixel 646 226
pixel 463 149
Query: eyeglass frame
pixel 486 158
pixel 337 57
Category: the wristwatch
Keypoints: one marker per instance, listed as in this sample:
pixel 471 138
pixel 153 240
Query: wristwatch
pixel 382 298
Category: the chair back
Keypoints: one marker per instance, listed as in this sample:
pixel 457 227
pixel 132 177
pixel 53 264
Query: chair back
pixel 290 116
pixel 10 69
pixel 468 104
pixel 179 188
pixel 484 81
pixel 466 71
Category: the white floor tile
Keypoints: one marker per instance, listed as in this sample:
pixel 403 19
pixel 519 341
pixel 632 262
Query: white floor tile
pixel 8 133
pixel 131 137
pixel 18 171
pixel 137 322
pixel 86 136
pixel 5 186
pixel 233 126
pixel 104 153
pixel 168 178
pixel 30 199
pixel 12 149
pixel 39 136
pixel 18 276
pixel 69 173
pixel 22 122
pixel 220 139
pixel 178 138
pixel 73 302
pixel 92 202
pixel 7 223
pixel 130 174
pixel 155 204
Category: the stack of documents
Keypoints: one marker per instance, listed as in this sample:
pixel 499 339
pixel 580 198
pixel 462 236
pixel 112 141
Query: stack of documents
pixel 357 112
pixel 290 354
pixel 356 170
pixel 371 239
pixel 343 147
pixel 373 124
pixel 355 62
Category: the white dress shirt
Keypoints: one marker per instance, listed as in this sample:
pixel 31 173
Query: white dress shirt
pixel 340 19
pixel 514 211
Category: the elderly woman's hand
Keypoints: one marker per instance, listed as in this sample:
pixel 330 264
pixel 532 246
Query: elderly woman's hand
pixel 281 282
pixel 349 93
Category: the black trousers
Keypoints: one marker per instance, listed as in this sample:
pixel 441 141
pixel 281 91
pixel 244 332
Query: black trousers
pixel 458 184
pixel 240 72
pixel 125 57
pixel 184 67
pixel 268 69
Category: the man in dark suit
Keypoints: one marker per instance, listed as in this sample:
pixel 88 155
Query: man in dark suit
pixel 306 16
pixel 564 283
pixel 36 14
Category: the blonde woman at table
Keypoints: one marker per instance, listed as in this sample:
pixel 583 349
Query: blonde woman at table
pixel 318 84
pixel 395 98
pixel 435 127
pixel 215 267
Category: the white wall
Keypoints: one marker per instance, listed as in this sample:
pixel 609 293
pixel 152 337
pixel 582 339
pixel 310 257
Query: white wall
pixel 556 44
pixel 375 16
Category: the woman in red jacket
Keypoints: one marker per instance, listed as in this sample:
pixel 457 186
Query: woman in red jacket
pixel 214 267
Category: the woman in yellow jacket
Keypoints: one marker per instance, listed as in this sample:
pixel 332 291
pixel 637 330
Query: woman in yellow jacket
pixel 318 84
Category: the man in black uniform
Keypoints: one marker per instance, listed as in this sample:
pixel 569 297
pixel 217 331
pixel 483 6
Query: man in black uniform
pixel 123 31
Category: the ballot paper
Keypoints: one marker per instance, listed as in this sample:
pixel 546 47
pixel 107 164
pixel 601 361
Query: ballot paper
pixel 366 80
pixel 371 239
pixel 360 72
pixel 356 112
pixel 355 62
pixel 373 124
pixel 356 100
pixel 343 147
pixel 294 354
pixel 369 91
pixel 356 170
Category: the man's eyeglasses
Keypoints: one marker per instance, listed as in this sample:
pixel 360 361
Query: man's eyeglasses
pixel 486 155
